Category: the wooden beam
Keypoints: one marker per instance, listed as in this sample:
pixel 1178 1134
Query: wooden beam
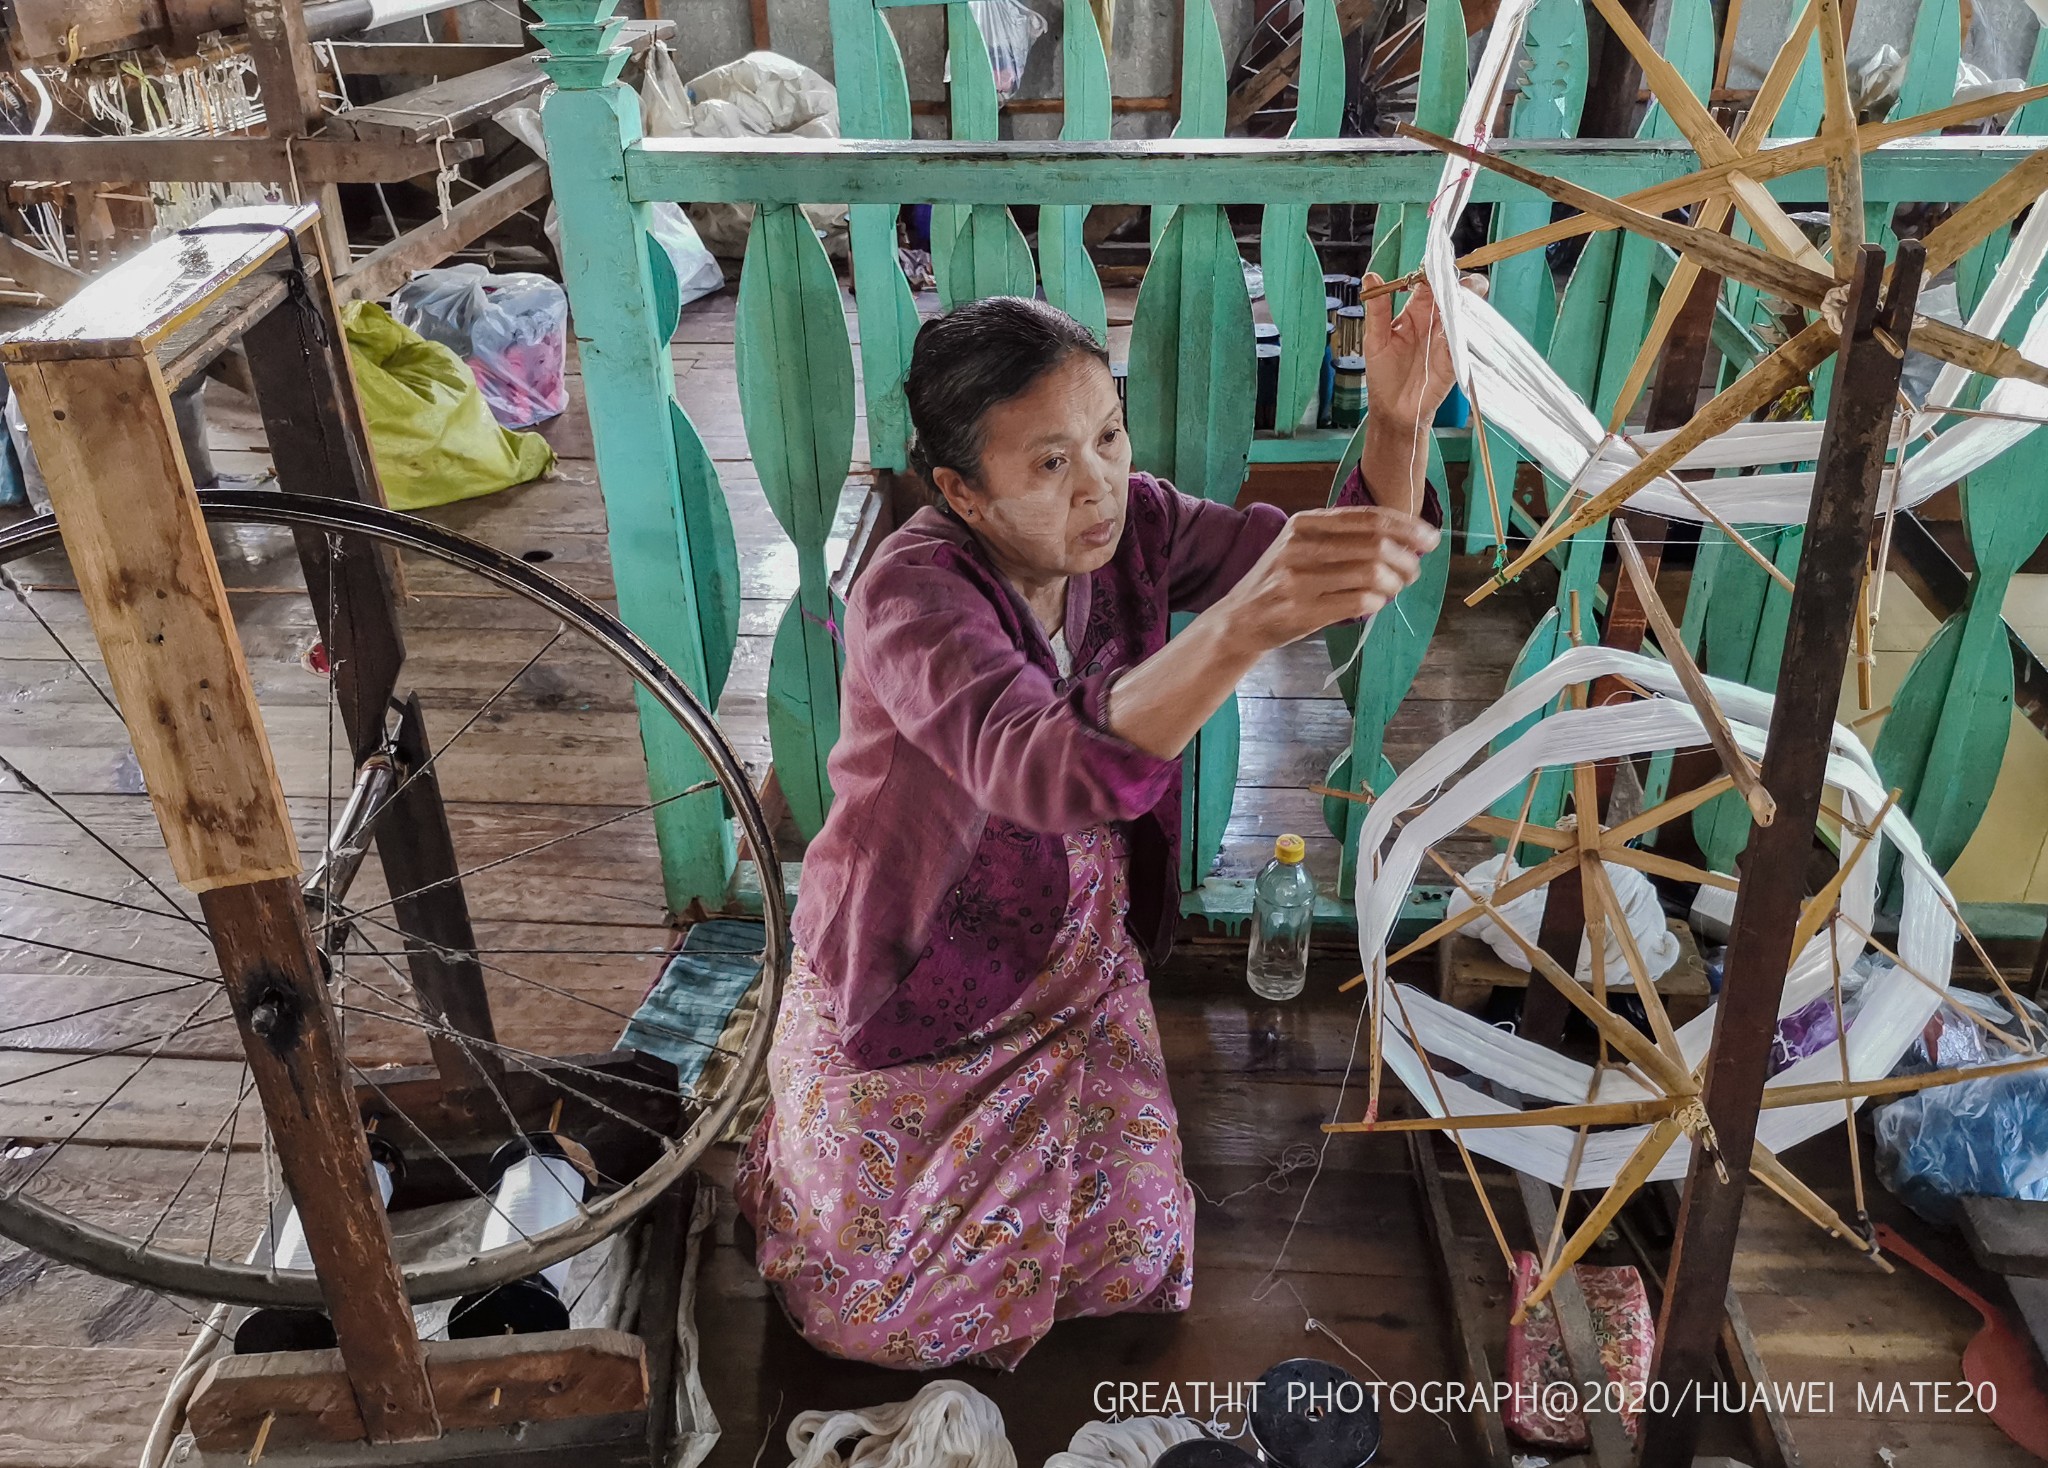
pixel 1272 78
pixel 1766 913
pixel 55 283
pixel 107 442
pixel 1234 170
pixel 1574 1320
pixel 290 83
pixel 1471 1316
pixel 401 58
pixel 495 1381
pixel 224 160
pixel 385 269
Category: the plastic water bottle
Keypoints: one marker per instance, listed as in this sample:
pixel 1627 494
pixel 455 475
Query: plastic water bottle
pixel 1283 910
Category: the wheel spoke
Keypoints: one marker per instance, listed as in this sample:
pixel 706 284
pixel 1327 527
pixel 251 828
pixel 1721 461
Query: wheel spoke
pixel 62 646
pixel 234 1107
pixel 16 773
pixel 154 968
pixel 58 1019
pixel 227 1158
pixel 612 820
pixel 109 1098
pixel 119 1050
pixel 569 994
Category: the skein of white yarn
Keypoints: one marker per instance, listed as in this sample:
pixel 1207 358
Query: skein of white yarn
pixel 949 1424
pixel 1639 905
pixel 1135 1442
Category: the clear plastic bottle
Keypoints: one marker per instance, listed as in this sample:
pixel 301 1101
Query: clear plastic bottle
pixel 1283 910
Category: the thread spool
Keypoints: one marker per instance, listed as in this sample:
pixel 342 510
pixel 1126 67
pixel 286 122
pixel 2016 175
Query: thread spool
pixel 1343 287
pixel 1347 398
pixel 538 1182
pixel 1350 331
pixel 1120 374
pixel 1311 1414
pixel 1266 405
pixel 294 1328
pixel 1265 333
pixel 1331 306
pixel 1327 388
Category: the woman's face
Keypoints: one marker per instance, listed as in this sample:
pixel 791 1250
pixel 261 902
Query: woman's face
pixel 1055 475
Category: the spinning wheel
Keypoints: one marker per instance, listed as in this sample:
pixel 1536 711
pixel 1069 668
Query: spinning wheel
pixel 243 694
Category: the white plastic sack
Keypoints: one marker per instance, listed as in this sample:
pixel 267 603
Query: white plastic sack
pixel 512 329
pixel 697 271
pixel 1654 938
pixel 760 95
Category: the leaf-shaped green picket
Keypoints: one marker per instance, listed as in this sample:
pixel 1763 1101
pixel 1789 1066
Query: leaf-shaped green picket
pixel 1944 739
pixel 1208 786
pixel 706 522
pixel 1439 95
pixel 1743 639
pixel 1193 371
pixel 1419 612
pixel 1204 95
pixel 1293 270
pixel 874 102
pixel 1070 279
pixel 794 366
pixel 977 249
pixel 802 725
pixel 1552 96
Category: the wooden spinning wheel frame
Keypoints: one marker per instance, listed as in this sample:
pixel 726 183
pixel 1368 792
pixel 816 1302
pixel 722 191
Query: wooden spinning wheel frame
pixel 138 572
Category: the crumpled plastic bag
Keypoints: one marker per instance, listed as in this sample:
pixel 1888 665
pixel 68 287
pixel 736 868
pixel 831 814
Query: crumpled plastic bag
pixel 431 431
pixel 697 270
pixel 1009 28
pixel 512 330
pixel 762 94
pixel 1986 1137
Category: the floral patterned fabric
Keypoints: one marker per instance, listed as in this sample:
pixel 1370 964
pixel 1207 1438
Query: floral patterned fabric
pixel 954 1207
pixel 1623 1328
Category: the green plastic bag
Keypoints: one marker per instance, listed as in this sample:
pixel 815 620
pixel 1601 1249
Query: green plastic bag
pixel 430 428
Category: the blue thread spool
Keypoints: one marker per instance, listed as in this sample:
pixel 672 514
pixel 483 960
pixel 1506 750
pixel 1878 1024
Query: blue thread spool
pixel 1311 1414
pixel 1327 388
pixel 1455 411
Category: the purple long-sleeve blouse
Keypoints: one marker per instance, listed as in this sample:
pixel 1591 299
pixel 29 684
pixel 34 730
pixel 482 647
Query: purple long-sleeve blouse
pixel 930 898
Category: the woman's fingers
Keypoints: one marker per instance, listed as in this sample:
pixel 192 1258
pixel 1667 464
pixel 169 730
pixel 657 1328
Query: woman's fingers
pixel 1364 523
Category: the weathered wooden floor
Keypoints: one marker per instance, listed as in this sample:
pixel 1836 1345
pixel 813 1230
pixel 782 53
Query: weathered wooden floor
pixel 83 1363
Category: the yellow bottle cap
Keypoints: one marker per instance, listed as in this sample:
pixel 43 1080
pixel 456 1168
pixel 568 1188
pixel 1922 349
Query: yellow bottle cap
pixel 1290 848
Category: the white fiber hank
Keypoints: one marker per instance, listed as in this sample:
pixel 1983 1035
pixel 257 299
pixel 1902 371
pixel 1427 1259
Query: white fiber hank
pixel 1519 393
pixel 1898 1004
pixel 1134 1442
pixel 948 1424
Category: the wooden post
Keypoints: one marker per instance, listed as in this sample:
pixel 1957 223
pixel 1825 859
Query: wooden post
pixel 160 613
pixel 1766 913
pixel 634 421
pixel 291 100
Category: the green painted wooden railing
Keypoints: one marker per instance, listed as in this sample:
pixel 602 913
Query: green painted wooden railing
pixel 1191 383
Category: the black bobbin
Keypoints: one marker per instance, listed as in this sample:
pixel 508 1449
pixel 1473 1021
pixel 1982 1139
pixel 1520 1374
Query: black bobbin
pixel 1311 1414
pixel 1205 1452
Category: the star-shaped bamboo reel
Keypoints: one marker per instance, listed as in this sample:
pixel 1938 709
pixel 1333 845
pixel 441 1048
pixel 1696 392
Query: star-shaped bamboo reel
pixel 1788 266
pixel 1656 1064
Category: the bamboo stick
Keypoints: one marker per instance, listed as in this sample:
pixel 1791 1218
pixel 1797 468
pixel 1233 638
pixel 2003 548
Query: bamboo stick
pixel 1780 1179
pixel 1761 806
pixel 1991 210
pixel 1666 811
pixel 1672 1078
pixel 1838 127
pixel 1763 383
pixel 1529 881
pixel 1598 1113
pixel 1820 1091
pixel 1792 157
pixel 1604 896
pixel 1940 993
pixel 1649 1152
pixel 1665 866
pixel 1820 909
pixel 1713 215
pixel 1545 836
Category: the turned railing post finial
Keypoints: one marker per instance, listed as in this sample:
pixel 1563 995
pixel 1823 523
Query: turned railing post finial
pixel 581 37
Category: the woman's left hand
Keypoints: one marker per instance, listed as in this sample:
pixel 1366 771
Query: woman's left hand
pixel 1407 361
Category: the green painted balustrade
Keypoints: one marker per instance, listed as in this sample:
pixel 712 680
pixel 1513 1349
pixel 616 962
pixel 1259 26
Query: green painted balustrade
pixel 1191 385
